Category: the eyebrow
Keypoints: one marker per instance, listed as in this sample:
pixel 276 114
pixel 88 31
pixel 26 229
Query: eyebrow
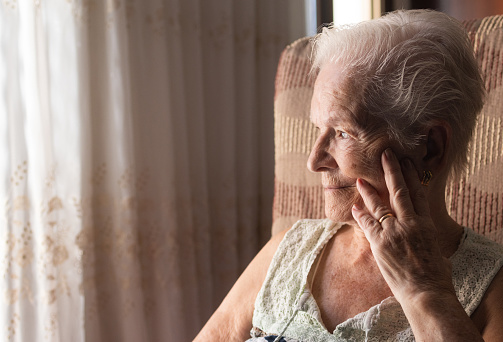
pixel 350 118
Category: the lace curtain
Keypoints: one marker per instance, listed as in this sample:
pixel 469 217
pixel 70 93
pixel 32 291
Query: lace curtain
pixel 136 162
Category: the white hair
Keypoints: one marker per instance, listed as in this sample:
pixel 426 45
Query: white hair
pixel 415 67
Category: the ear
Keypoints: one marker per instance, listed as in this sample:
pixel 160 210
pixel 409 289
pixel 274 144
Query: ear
pixel 437 146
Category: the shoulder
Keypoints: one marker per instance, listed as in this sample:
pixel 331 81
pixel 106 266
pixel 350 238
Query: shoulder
pixel 475 266
pixel 301 240
pixel 487 261
pixel 232 320
pixel 301 232
pixel 477 258
pixel 477 244
pixel 488 317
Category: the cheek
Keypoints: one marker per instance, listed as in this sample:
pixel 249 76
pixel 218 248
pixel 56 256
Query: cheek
pixel 364 163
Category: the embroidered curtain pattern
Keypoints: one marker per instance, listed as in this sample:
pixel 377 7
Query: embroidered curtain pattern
pixel 136 158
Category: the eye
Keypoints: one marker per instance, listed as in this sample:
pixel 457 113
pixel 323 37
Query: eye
pixel 343 135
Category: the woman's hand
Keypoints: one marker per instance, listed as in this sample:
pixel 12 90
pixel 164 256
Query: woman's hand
pixel 404 245
pixel 407 252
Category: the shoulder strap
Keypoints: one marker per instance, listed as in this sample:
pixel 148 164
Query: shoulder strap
pixel 474 266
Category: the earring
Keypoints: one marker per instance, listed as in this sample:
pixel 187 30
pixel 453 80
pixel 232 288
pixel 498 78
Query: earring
pixel 427 176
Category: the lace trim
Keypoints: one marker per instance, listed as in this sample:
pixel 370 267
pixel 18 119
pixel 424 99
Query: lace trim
pixel 475 264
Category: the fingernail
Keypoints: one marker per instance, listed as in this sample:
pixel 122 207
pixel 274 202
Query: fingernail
pixel 356 207
pixel 360 182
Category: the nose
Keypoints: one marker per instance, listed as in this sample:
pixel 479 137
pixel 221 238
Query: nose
pixel 320 158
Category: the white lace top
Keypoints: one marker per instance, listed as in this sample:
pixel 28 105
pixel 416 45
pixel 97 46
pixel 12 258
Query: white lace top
pixel 475 264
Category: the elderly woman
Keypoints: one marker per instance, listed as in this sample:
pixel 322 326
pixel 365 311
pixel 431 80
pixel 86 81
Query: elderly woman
pixel 395 102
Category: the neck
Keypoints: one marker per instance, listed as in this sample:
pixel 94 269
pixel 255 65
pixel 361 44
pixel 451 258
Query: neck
pixel 449 231
pixel 354 241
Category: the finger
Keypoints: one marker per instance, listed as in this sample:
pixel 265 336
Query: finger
pixel 370 226
pixel 416 190
pixel 372 201
pixel 399 195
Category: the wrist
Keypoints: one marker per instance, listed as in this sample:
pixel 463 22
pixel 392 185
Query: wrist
pixel 439 316
pixel 432 300
pixel 429 305
pixel 428 294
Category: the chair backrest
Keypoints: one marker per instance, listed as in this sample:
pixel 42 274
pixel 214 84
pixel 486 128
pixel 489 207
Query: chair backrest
pixel 475 201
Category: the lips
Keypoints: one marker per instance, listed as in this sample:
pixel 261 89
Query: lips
pixel 337 187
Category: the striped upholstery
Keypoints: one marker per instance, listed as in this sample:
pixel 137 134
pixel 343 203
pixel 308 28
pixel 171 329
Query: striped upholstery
pixel 475 201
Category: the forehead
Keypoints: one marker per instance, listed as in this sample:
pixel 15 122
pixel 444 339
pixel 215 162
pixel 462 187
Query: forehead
pixel 336 96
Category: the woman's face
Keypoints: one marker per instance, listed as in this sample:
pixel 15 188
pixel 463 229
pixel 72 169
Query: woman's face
pixel 344 151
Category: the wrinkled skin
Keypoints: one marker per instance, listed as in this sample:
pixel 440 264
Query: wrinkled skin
pixel 405 246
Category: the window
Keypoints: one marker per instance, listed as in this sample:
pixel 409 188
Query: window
pixel 319 12
pixel 354 11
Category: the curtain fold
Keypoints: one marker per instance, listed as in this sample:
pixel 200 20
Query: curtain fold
pixel 136 158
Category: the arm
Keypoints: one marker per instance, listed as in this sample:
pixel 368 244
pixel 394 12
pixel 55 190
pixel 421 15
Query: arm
pixel 232 320
pixel 439 317
pixel 409 257
pixel 487 318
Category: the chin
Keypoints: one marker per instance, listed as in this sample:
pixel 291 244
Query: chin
pixel 340 209
pixel 339 213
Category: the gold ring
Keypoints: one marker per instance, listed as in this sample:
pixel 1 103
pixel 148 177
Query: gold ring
pixel 385 216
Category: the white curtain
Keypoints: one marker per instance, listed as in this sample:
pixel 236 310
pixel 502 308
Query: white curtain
pixel 136 160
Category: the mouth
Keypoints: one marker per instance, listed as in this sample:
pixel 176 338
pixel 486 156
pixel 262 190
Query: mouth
pixel 337 187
